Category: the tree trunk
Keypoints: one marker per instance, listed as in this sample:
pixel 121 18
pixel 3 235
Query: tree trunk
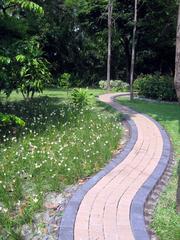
pixel 177 68
pixel 177 86
pixel 133 50
pixel 32 94
pixel 126 44
pixel 110 10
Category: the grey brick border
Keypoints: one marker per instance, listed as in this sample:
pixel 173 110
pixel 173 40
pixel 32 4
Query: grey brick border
pixel 66 229
pixel 140 231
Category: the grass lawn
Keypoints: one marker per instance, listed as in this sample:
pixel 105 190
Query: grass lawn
pixel 166 222
pixel 59 145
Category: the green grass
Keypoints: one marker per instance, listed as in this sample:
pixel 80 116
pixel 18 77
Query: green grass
pixel 51 92
pixel 166 222
pixel 59 145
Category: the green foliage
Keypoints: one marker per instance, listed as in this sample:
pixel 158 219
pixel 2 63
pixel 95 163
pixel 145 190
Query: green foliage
pixel 22 65
pixel 64 81
pixel 75 41
pixel 73 35
pixel 6 74
pixel 117 85
pixel 4 60
pixel 20 58
pixel 27 71
pixel 80 97
pixel 32 68
pixel 156 86
pixel 12 5
pixel 10 119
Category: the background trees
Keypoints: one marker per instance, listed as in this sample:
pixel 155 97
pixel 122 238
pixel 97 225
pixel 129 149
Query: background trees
pixel 73 37
pixel 76 38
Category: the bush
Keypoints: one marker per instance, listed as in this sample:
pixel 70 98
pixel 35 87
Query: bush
pixel 80 97
pixel 25 69
pixel 156 86
pixel 64 81
pixel 31 69
pixel 117 85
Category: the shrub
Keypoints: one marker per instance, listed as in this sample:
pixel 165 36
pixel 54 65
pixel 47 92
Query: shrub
pixel 64 81
pixel 117 85
pixel 103 84
pixel 31 68
pixel 155 86
pixel 80 97
pixel 24 69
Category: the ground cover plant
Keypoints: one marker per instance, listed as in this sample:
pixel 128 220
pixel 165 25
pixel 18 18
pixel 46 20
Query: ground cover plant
pixel 59 144
pixel 166 222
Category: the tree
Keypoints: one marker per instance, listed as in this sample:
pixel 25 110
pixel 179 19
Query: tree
pixel 23 67
pixel 74 38
pixel 177 67
pixel 177 86
pixel 154 36
pixel 133 50
pixel 12 27
pixel 31 68
pixel 110 11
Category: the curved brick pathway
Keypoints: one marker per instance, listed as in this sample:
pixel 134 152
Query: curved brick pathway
pixel 106 210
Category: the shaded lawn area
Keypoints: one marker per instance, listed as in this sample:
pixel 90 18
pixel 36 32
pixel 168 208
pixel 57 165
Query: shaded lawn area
pixel 59 145
pixel 52 92
pixel 166 222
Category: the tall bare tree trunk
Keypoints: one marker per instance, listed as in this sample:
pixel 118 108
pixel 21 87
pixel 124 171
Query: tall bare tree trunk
pixel 110 11
pixel 177 69
pixel 177 86
pixel 133 50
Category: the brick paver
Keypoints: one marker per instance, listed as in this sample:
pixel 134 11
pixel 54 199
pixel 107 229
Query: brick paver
pixel 105 210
